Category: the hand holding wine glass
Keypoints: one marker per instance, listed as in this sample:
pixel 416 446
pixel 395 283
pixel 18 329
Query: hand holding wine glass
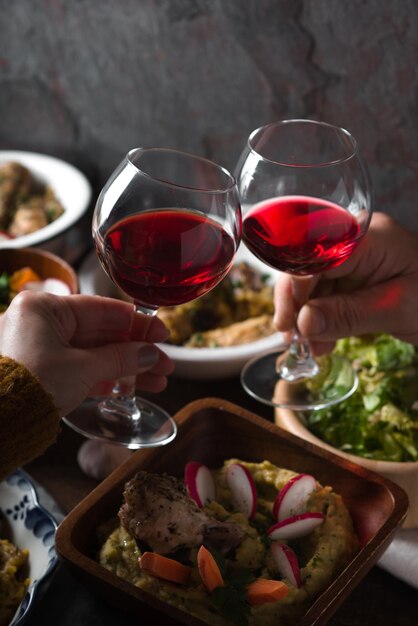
pixel 166 228
pixel 306 205
pixel 375 291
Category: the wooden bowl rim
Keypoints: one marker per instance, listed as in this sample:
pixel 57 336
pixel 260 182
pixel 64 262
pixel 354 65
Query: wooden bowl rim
pixel 72 281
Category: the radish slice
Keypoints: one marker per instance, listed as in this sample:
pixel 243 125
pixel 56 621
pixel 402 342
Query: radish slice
pixel 287 562
pixel 296 526
pixel 242 486
pixel 50 285
pixel 199 483
pixel 291 500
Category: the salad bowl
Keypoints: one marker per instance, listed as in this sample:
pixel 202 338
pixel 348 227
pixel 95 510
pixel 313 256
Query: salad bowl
pixel 405 474
pixel 375 428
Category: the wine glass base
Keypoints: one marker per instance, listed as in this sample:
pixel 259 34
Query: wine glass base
pixel 154 428
pixel 336 381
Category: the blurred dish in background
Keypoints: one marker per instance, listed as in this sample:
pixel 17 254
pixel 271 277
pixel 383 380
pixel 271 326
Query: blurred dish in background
pixel 239 310
pixel 242 306
pixel 36 270
pixel 43 201
pixel 26 203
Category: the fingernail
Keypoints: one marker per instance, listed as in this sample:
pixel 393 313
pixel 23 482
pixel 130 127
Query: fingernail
pixel 148 356
pixel 311 320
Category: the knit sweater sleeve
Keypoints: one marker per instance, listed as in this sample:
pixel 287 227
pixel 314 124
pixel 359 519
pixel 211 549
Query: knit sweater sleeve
pixel 29 419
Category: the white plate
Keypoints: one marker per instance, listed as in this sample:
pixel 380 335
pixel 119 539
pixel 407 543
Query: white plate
pixel 192 363
pixel 28 525
pixel 69 185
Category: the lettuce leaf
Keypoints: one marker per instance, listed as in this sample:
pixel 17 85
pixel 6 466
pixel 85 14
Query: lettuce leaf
pixel 380 420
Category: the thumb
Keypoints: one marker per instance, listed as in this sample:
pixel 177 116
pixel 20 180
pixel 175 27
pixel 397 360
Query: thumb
pixel 372 310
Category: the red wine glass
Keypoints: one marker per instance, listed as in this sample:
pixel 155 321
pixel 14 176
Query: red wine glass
pixel 306 202
pixel 166 228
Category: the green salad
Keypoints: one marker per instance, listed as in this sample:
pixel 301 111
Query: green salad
pixel 380 420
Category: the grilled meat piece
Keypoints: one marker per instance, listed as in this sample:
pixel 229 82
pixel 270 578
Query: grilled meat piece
pixel 159 512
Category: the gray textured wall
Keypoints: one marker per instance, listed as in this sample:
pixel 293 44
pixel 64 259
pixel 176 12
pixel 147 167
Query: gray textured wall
pixel 87 80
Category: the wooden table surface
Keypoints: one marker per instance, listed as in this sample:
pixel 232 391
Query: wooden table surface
pixel 379 600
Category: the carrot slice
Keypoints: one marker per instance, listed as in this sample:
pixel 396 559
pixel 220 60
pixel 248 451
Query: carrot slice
pixel 19 278
pixel 165 568
pixel 209 570
pixel 264 590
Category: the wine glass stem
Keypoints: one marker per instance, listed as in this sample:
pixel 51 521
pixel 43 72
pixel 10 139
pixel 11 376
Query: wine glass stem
pixel 122 402
pixel 298 362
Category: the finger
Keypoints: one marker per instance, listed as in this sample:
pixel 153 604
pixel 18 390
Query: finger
pixel 156 333
pixel 151 383
pixel 103 388
pixel 115 361
pixel 146 380
pixel 102 320
pixel 322 347
pixel 99 314
pixel 290 293
pixel 284 306
pixel 164 365
pixel 372 310
pixel 149 329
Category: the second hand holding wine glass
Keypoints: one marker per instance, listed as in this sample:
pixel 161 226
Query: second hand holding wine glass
pixel 306 205
pixel 166 228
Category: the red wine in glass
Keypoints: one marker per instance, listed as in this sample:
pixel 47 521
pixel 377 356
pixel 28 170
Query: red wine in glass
pixel 166 257
pixel 309 203
pixel 300 235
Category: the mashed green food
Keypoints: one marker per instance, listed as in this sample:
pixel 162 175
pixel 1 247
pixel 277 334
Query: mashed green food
pixel 321 556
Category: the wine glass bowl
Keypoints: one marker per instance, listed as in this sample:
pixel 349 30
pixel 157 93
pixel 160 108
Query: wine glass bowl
pixel 151 244
pixel 166 228
pixel 306 201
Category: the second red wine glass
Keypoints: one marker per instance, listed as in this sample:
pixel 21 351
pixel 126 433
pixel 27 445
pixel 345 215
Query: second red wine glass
pixel 306 202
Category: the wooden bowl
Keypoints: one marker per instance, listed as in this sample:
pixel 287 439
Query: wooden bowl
pixel 45 264
pixel 210 431
pixel 404 474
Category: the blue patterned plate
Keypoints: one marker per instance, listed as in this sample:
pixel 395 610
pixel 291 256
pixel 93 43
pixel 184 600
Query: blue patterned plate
pixel 27 524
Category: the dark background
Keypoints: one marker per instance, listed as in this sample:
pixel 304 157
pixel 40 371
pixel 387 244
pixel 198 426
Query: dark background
pixel 86 80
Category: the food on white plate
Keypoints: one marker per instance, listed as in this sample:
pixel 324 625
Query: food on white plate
pixel 13 581
pixel 239 310
pixel 26 279
pixel 199 483
pixel 380 420
pixel 26 203
pixel 162 542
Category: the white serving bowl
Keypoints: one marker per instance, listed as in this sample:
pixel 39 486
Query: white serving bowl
pixel 403 474
pixel 191 363
pixel 65 236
